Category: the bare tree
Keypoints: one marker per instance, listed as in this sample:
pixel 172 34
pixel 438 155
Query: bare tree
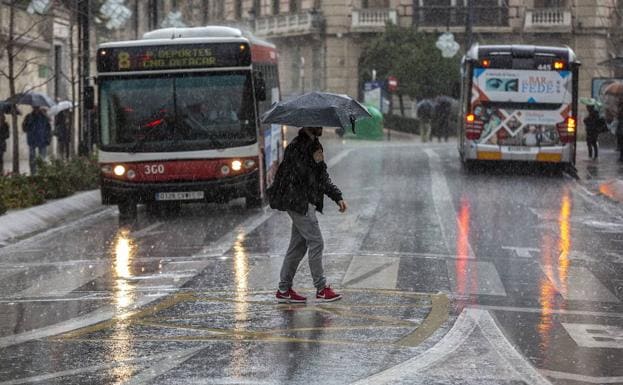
pixel 16 42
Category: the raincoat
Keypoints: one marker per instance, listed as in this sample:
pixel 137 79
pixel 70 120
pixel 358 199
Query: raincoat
pixel 300 180
pixel 37 128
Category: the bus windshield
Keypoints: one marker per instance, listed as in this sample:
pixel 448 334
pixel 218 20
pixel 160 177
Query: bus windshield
pixel 177 112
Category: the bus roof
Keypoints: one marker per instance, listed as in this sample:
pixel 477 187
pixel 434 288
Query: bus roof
pixel 519 50
pixel 191 35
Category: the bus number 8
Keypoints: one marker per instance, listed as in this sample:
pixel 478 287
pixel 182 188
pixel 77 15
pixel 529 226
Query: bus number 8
pixel 123 61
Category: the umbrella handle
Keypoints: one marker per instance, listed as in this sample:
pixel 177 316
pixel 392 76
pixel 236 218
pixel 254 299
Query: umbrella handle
pixel 352 122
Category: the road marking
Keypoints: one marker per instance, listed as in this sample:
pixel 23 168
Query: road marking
pixel 474 277
pixel 581 378
pixel 436 317
pixel 162 366
pixel 522 252
pixel 540 310
pixel 465 325
pixel 372 272
pixel 94 368
pixel 444 207
pixel 595 336
pixel 579 284
pixel 62 282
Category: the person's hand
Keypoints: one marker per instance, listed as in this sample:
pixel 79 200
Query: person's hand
pixel 342 205
pixel 318 156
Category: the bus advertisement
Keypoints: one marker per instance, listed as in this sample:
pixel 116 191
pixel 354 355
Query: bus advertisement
pixel 519 103
pixel 178 115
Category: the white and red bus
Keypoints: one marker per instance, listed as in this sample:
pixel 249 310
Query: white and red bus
pixel 519 103
pixel 178 115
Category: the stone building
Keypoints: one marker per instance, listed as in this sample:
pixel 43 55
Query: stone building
pixel 320 41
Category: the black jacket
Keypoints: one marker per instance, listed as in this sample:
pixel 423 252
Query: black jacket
pixel 594 126
pixel 300 180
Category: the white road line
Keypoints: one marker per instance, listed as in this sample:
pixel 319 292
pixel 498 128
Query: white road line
pixel 146 375
pixel 372 272
pixel 539 310
pixel 444 207
pixel 466 323
pixel 580 377
pixel 579 284
pixel 186 353
pixel 62 282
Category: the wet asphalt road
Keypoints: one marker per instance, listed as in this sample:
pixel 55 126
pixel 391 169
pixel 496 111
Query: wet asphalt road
pixel 505 276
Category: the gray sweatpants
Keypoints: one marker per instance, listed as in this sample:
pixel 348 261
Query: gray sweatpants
pixel 305 235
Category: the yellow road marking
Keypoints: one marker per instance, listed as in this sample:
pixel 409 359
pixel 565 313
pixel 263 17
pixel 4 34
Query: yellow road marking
pixel 437 316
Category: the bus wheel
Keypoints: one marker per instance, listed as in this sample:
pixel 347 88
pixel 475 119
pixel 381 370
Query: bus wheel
pixel 127 209
pixel 253 202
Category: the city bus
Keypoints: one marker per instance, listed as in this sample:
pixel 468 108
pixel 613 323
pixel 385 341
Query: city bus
pixel 518 103
pixel 178 118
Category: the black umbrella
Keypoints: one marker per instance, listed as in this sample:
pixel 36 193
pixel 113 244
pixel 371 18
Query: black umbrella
pixel 317 109
pixel 34 99
pixel 424 109
pixel 7 108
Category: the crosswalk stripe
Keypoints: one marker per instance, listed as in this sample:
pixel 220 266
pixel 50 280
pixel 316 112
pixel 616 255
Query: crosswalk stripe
pixel 579 284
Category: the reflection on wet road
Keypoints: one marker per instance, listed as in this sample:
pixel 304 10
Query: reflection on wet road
pixel 449 278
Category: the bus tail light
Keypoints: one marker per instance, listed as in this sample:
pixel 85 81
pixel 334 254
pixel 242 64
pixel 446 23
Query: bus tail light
pixel 472 130
pixel 567 129
pixel 559 65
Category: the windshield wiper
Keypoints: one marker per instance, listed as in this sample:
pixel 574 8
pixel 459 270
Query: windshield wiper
pixel 152 127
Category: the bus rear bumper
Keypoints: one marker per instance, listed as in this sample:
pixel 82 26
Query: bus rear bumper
pixel 549 154
pixel 218 190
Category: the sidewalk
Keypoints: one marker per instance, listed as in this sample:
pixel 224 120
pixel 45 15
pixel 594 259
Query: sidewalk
pixel 602 176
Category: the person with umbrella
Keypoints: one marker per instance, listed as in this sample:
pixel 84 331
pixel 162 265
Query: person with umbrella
pixel 302 181
pixel 4 135
pixel 37 128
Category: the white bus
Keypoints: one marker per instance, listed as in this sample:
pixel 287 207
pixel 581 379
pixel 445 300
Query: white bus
pixel 178 115
pixel 518 103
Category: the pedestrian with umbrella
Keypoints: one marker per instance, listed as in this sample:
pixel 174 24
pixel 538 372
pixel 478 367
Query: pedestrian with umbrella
pixel 4 135
pixel 36 124
pixel 302 181
pixel 424 110
pixel 61 113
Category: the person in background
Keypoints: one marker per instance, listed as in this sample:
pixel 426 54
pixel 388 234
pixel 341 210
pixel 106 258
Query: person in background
pixel 36 125
pixel 594 126
pixel 61 130
pixel 5 132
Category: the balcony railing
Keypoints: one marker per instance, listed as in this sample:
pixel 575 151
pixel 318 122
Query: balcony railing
pixel 285 25
pixel 548 18
pixel 373 19
pixel 453 16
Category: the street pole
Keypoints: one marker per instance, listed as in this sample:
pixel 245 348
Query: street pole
pixel 469 19
pixel 84 15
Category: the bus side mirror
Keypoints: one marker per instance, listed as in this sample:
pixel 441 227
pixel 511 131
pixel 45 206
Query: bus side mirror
pixel 89 97
pixel 259 85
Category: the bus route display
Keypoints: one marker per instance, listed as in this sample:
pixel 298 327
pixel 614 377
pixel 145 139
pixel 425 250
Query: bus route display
pixel 167 57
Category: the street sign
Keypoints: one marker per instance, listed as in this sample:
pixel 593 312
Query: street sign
pixel 392 84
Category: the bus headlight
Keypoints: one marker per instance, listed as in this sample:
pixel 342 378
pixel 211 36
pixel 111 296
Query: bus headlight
pixel 236 165
pixel 119 170
pixel 249 163
pixel 107 169
pixel 225 170
pixel 131 174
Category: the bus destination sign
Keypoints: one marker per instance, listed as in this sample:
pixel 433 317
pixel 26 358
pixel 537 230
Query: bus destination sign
pixel 167 57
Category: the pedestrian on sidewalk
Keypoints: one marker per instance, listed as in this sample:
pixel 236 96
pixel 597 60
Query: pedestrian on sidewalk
pixel 299 187
pixel 5 132
pixel 619 131
pixel 595 125
pixel 61 131
pixel 36 125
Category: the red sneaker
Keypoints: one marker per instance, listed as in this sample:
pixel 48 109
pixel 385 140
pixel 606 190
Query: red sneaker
pixel 289 296
pixel 327 295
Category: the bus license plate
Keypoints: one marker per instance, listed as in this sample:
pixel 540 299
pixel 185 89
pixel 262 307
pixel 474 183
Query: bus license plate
pixel 179 196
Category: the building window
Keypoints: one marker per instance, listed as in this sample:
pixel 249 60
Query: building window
pixel 374 4
pixel 275 7
pixel 294 6
pixel 439 13
pixel 238 9
pixel 550 3
pixel 256 11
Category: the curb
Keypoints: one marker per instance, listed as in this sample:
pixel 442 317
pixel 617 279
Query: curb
pixel 20 223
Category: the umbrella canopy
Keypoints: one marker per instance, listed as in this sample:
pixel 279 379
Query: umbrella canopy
pixel 6 108
pixel 34 99
pixel 60 106
pixel 425 108
pixel 317 109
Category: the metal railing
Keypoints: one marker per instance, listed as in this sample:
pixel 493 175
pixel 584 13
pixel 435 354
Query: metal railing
pixel 547 18
pixel 373 18
pixel 289 24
